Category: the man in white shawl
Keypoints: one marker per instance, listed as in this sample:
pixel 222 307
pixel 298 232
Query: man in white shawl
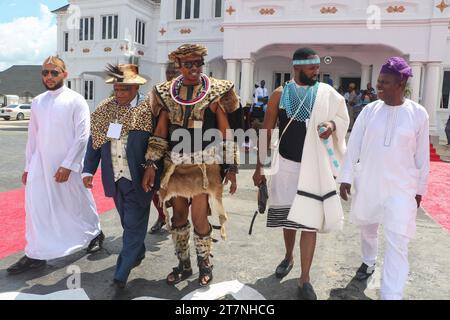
pixel 61 216
pixel 387 161
pixel 313 122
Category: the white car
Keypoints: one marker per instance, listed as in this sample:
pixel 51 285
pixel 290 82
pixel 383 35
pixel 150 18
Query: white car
pixel 16 111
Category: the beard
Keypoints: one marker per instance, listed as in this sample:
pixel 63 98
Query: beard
pixel 57 86
pixel 306 80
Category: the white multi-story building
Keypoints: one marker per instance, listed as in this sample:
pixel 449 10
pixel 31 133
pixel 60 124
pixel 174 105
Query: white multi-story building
pixel 253 40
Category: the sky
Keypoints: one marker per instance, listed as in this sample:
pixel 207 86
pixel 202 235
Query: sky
pixel 27 31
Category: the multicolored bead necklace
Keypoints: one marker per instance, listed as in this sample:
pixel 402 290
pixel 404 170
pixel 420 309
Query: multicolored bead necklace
pixel 178 82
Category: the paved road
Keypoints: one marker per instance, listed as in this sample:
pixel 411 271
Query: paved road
pixel 13 136
pixel 248 259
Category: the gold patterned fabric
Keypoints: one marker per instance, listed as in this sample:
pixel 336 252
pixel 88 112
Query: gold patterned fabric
pixel 137 118
pixel 119 158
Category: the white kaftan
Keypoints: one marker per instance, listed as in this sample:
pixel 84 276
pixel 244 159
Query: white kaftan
pixel 392 146
pixel 60 217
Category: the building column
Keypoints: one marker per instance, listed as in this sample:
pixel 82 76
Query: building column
pixel 432 93
pixel 77 83
pixel 206 68
pixel 246 81
pixel 162 75
pixel 252 80
pixel 365 76
pixel 376 73
pixel 231 72
pixel 416 80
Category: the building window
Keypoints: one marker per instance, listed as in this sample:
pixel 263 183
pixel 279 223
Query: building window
pixel 280 79
pixel 446 90
pixel 66 41
pixel 86 29
pixel 69 84
pixel 89 90
pixel 140 32
pixel 218 9
pixel 110 27
pixel 190 8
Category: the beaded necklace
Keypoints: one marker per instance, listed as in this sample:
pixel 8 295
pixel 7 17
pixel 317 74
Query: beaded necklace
pixel 295 97
pixel 178 82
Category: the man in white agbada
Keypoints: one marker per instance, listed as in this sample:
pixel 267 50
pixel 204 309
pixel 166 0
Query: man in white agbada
pixel 302 193
pixel 387 161
pixel 61 215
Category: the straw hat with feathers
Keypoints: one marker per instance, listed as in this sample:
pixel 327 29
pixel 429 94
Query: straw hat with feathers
pixel 127 74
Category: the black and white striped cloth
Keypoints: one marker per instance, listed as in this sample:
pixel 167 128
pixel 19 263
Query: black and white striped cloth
pixel 282 192
pixel 277 218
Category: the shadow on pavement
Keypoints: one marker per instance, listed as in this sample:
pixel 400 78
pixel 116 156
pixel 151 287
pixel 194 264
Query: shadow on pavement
pixel 276 288
pixel 353 291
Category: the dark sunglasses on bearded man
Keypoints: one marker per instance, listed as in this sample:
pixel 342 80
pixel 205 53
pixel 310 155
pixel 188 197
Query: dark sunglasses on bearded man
pixel 54 73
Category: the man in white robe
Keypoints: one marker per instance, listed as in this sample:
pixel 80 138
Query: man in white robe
pixel 61 215
pixel 387 161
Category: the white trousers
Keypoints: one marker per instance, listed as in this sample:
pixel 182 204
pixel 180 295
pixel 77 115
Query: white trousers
pixel 395 267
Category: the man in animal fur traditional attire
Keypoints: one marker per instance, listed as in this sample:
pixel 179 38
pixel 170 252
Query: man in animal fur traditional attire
pixel 192 103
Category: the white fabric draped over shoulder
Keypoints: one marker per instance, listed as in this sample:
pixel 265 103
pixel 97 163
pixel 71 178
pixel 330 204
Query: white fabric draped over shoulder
pixel 317 204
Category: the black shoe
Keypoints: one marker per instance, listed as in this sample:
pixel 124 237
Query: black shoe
pixel 96 244
pixel 364 272
pixel 157 226
pixel 119 289
pixel 306 292
pixel 284 268
pixel 25 264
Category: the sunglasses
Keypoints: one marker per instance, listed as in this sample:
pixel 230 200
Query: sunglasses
pixel 190 64
pixel 54 73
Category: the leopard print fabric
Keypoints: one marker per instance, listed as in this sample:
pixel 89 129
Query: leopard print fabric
pixel 180 237
pixel 221 91
pixel 203 246
pixel 138 118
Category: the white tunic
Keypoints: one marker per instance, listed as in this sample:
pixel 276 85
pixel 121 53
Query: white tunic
pixel 60 217
pixel 392 146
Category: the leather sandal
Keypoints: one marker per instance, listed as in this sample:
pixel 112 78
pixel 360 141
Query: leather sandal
pixel 179 273
pixel 205 273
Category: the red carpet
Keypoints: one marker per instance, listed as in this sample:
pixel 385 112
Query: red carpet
pixel 437 200
pixel 12 213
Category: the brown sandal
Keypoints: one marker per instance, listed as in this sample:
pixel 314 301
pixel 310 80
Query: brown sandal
pixel 179 273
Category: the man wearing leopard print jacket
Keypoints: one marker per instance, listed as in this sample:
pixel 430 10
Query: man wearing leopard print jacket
pixel 120 129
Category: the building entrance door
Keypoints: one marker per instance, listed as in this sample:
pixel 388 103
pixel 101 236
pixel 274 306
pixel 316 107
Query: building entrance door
pixel 346 81
pixel 280 78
